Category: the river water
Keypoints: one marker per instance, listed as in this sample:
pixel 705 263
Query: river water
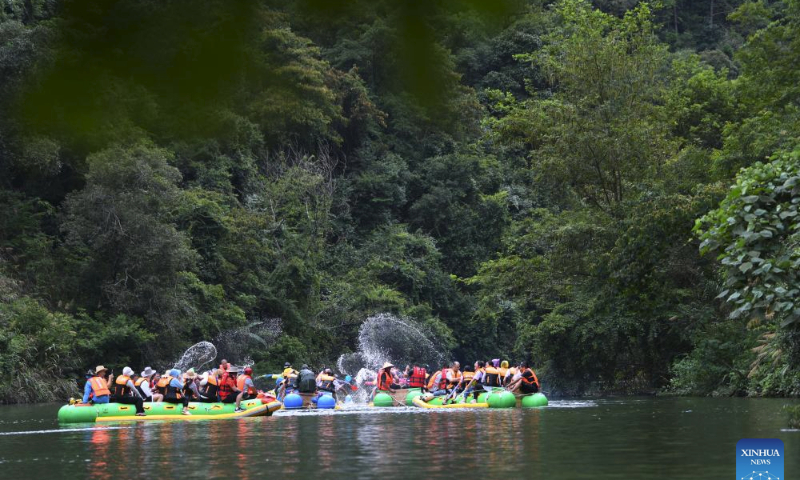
pixel 629 438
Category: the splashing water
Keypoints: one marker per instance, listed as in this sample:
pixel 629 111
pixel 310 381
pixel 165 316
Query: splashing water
pixel 196 356
pixel 387 338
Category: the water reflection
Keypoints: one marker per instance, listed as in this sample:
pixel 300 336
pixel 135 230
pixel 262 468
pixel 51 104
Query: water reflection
pixel 642 439
pixel 100 450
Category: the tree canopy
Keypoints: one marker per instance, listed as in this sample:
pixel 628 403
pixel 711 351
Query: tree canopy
pixel 605 188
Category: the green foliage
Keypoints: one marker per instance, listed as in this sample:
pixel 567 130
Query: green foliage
pixel 36 349
pixel 718 363
pixel 794 415
pixel 520 178
pixel 755 232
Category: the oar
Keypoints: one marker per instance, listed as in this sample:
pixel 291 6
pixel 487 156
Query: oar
pixel 453 394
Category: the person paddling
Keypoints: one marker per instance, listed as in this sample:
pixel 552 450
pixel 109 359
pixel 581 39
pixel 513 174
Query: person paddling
pixel 96 388
pixel 453 375
pixel 477 379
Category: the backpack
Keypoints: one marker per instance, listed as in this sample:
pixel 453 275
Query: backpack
pixel 306 381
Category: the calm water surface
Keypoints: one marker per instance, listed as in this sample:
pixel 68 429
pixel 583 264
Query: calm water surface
pixel 631 438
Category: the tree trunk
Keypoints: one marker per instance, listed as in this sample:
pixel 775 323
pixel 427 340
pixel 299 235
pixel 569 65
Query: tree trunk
pixel 675 15
pixel 711 22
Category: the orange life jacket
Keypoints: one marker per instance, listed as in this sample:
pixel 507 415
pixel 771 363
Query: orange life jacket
pixel 456 378
pixel 385 380
pixel 417 378
pixel 99 387
pixel 467 377
pixel 121 388
pixel 226 386
pixel 163 382
pixel 441 384
pixel 532 380
pixel 170 392
pixel 241 386
pixel 211 388
pixel 138 384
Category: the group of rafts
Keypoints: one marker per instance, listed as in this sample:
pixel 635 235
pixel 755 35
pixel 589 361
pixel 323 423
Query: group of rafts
pixel 470 396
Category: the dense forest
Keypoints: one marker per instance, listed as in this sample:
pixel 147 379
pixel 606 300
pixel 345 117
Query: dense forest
pixel 608 188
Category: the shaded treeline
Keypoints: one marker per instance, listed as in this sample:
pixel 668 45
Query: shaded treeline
pixel 522 178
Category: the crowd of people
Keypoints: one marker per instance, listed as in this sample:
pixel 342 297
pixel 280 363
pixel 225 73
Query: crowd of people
pixel 451 379
pixel 448 380
pixel 226 384
pixel 230 384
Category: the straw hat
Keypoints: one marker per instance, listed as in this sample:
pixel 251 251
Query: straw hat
pixel 387 365
pixel 99 369
pixel 191 373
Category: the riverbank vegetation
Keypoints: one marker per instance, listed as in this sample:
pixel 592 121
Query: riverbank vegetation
pixel 606 188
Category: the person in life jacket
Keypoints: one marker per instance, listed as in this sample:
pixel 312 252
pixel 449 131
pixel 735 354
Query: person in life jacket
pixel 503 372
pixel 125 392
pixel 437 384
pixel 527 382
pixel 466 379
pixel 96 388
pixel 289 376
pixel 385 381
pixel 474 386
pixel 287 383
pixel 492 374
pixel 246 387
pixel 174 390
pixel 306 380
pixel 209 387
pixel 190 389
pixel 143 385
pixel 228 386
pixel 325 381
pixel 453 375
pixel 416 377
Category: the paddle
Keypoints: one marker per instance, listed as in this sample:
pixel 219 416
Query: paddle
pixel 452 395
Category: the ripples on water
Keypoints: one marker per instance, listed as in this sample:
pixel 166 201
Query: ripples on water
pixel 597 439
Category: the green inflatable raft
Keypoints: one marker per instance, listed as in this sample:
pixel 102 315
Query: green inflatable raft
pixel 497 398
pixel 117 412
